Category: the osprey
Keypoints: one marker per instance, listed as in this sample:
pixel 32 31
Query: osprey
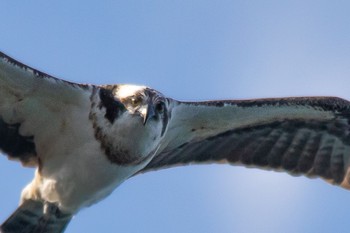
pixel 85 140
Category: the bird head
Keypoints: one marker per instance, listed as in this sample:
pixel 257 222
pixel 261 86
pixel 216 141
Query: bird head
pixel 129 121
pixel 144 102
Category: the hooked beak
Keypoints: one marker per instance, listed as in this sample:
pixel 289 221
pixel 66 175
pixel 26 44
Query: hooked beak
pixel 150 112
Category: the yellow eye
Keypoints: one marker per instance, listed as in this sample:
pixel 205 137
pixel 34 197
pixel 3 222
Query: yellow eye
pixel 136 101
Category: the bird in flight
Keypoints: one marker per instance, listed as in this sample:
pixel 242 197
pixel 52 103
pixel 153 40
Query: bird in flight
pixel 85 140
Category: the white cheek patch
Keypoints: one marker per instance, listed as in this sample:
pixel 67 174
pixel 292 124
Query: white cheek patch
pixel 126 90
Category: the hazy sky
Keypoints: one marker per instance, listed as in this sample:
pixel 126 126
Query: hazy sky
pixel 192 50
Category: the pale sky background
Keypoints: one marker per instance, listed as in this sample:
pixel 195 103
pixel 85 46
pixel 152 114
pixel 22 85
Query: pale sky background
pixel 192 50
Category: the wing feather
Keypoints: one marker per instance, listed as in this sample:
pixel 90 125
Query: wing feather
pixel 30 217
pixel 34 107
pixel 306 135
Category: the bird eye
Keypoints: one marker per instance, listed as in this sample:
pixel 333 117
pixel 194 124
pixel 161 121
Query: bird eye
pixel 136 101
pixel 160 107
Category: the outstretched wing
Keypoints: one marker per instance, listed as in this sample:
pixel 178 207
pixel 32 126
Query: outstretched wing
pixel 34 107
pixel 307 136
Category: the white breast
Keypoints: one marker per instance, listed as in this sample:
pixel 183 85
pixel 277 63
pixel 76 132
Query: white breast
pixel 75 170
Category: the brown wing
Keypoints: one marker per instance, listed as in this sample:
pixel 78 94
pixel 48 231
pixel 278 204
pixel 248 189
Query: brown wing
pixel 298 135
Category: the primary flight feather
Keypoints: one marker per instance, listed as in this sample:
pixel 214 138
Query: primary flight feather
pixel 85 140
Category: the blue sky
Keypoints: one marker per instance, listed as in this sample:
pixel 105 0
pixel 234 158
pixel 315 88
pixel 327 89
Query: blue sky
pixel 192 50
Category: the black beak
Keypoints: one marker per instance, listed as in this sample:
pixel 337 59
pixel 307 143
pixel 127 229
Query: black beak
pixel 151 112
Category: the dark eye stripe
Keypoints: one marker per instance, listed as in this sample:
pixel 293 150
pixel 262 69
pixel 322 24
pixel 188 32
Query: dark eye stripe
pixel 113 107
